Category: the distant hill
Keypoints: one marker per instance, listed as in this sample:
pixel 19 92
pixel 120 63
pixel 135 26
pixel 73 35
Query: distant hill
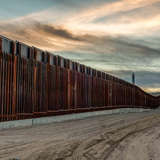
pixel 156 94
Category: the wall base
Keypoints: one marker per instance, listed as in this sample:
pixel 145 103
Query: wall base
pixel 62 118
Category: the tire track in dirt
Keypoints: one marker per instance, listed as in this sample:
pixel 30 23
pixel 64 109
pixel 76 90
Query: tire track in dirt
pixel 96 139
pixel 98 148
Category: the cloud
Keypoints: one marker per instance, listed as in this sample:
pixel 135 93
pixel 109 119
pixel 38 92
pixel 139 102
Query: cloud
pixel 120 49
pixel 17 8
pixel 110 9
pixel 149 81
pixel 129 16
pixel 125 38
pixel 55 31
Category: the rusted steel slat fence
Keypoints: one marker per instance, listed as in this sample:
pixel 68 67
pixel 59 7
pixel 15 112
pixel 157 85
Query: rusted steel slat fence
pixel 34 83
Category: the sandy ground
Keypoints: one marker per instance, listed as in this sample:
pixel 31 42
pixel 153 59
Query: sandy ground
pixel 134 136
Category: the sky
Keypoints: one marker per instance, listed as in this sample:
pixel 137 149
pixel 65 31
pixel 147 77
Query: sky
pixel 115 36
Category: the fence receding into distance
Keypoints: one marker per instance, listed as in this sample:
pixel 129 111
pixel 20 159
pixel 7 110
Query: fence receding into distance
pixel 35 83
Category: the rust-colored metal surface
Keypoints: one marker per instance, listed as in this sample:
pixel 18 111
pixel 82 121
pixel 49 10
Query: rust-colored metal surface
pixel 34 83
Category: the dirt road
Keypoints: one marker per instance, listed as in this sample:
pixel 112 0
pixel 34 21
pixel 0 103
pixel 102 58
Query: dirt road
pixel 134 136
